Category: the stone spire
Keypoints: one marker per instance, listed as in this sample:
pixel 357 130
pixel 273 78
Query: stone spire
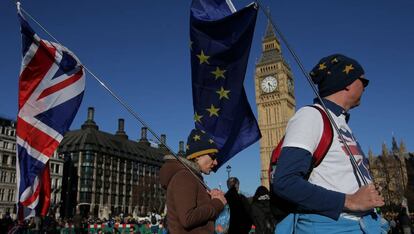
pixel 395 149
pixel 384 151
pixel 270 33
pixel 270 46
pixel 370 156
pixel 403 148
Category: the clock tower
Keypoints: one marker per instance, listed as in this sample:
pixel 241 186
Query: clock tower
pixel 275 98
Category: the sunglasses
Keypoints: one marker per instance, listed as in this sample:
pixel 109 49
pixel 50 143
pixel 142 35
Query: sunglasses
pixel 212 156
pixel 364 81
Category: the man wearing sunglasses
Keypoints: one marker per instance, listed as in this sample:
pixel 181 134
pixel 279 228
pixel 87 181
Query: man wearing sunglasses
pixel 190 207
pixel 331 197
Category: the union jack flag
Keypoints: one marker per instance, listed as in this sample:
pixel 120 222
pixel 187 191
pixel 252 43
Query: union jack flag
pixel 51 87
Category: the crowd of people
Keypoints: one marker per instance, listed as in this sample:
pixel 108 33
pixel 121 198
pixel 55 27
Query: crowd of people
pixel 78 224
pixel 248 215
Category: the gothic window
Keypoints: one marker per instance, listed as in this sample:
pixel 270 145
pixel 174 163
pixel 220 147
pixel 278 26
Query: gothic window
pixel 121 178
pixel 2 191
pixel 5 158
pixel 10 196
pixel 13 177
pixel 53 184
pixel 85 197
pixel 87 172
pixel 140 169
pixel 105 198
pixel 98 184
pixel 89 157
pixel 57 169
pixel 99 160
pixel 3 176
pixel 97 198
pixel 107 161
pixel 86 184
pixel 113 185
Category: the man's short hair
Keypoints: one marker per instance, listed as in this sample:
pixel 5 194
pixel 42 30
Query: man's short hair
pixel 232 182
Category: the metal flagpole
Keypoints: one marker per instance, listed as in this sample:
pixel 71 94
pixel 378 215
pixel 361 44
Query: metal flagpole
pixel 312 85
pixel 122 102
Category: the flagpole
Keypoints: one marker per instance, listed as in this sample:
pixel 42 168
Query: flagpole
pixel 312 85
pixel 121 101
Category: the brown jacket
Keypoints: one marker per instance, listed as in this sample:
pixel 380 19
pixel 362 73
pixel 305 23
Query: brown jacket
pixel 190 208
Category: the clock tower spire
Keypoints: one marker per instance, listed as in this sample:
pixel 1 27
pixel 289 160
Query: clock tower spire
pixel 275 98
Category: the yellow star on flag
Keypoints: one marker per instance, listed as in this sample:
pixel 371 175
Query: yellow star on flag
pixel 213 110
pixel 211 141
pixel 334 60
pixel 196 137
pixel 218 73
pixel 203 58
pixel 223 93
pixel 322 66
pixel 348 68
pixel 197 118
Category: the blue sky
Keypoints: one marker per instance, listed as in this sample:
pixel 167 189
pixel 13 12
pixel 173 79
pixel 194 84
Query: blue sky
pixel 141 50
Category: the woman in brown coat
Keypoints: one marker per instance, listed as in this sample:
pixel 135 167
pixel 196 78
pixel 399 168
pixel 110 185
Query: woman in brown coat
pixel 190 207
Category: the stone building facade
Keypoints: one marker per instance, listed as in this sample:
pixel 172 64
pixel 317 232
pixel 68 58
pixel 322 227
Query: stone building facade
pixel 7 167
pixel 108 174
pixel 393 172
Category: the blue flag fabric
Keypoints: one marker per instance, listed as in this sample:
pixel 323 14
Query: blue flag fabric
pixel 220 46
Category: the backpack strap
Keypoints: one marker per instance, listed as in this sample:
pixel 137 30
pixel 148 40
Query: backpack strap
pixel 273 159
pixel 326 139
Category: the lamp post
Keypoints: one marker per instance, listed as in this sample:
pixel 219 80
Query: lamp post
pixel 228 169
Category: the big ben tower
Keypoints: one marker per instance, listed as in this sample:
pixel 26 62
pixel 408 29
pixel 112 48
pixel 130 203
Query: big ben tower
pixel 275 98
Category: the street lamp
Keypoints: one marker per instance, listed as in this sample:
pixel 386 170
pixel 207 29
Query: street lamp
pixel 228 169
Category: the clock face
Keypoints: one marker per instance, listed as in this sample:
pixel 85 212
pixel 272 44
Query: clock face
pixel 269 84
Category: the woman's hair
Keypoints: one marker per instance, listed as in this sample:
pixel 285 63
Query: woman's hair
pixel 260 191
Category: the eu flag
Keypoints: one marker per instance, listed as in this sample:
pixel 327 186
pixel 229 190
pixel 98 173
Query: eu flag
pixel 220 45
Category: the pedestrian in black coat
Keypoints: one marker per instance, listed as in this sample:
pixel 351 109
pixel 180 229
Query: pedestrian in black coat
pixel 261 212
pixel 240 221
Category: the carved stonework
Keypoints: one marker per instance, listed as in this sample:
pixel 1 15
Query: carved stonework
pixel 390 171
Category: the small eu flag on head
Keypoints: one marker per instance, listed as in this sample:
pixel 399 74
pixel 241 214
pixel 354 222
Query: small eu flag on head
pixel 220 45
